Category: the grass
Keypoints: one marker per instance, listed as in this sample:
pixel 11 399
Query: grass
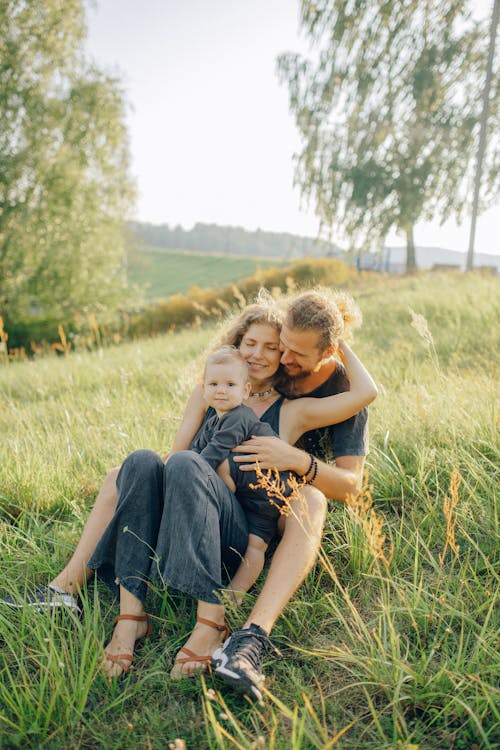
pixel 165 272
pixel 391 642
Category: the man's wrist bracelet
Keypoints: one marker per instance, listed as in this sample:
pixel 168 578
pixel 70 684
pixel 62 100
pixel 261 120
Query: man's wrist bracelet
pixel 315 471
pixel 310 467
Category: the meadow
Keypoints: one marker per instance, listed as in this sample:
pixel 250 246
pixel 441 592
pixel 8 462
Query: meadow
pixel 164 272
pixel 392 641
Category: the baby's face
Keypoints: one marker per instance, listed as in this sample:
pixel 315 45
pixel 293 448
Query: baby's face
pixel 225 386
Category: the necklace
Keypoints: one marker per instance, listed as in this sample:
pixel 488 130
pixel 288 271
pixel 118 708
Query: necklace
pixel 262 394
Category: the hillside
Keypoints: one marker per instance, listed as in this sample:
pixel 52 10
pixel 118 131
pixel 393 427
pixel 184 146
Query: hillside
pixel 164 272
pixel 215 239
pixel 392 640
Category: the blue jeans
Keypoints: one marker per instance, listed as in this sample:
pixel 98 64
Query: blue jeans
pixel 176 521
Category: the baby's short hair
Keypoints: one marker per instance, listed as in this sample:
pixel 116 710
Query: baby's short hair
pixel 224 355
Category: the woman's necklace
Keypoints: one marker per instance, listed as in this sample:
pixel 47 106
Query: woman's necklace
pixel 262 394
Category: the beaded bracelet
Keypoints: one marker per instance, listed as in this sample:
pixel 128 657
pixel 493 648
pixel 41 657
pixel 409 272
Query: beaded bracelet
pixel 315 472
pixel 305 474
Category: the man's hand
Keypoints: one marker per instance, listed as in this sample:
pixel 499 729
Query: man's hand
pixel 270 453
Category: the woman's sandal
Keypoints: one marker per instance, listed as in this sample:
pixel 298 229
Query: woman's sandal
pixel 191 656
pixel 125 660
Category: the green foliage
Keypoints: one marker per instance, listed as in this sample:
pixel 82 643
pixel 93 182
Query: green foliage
pixel 394 654
pixel 198 305
pixel 388 112
pixel 204 304
pixel 64 188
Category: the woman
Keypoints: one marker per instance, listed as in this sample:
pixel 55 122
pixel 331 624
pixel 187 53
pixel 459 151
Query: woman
pixel 187 538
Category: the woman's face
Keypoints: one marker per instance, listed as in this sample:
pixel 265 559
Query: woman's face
pixel 260 347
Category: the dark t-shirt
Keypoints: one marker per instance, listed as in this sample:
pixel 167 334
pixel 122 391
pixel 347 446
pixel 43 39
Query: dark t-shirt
pixel 348 438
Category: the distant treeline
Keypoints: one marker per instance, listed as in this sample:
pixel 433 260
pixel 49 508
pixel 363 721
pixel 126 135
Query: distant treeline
pixel 212 238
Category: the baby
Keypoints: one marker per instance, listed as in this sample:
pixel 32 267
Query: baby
pixel 225 386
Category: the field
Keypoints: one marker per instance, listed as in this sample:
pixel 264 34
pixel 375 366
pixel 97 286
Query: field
pixel 391 643
pixel 165 272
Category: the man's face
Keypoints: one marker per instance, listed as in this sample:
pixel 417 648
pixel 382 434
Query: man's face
pixel 300 352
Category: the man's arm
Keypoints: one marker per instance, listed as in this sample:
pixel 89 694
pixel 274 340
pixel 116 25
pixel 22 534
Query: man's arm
pixel 337 481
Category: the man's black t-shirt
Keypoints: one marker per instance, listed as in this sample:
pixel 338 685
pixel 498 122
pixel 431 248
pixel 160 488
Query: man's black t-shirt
pixel 348 438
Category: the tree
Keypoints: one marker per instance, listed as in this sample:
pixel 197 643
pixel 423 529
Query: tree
pixel 388 113
pixel 482 133
pixel 64 184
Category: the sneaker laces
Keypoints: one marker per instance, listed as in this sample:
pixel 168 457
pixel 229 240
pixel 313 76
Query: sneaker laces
pixel 255 646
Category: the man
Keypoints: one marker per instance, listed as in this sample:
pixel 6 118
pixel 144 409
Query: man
pixel 308 357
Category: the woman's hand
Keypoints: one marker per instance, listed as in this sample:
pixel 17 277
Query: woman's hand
pixel 270 453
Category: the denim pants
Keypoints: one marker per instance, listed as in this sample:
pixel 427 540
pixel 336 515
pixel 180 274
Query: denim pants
pixel 177 522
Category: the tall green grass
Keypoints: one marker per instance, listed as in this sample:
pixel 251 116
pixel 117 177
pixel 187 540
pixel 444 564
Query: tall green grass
pixel 396 650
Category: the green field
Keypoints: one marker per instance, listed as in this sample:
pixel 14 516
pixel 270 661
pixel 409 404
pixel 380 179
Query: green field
pixel 397 651
pixel 164 272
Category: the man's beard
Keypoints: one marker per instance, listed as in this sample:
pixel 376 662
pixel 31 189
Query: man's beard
pixel 291 388
pixel 300 375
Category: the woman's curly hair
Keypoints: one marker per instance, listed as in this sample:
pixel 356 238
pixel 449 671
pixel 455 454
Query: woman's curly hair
pixel 263 311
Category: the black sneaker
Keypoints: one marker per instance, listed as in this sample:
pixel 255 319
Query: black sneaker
pixel 45 598
pixel 239 661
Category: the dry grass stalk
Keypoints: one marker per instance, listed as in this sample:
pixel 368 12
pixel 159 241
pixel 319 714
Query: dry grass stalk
pixel 419 323
pixel 240 299
pixel 450 502
pixel 276 489
pixel 201 308
pixel 363 513
pixel 94 327
pixel 63 345
pixel 4 336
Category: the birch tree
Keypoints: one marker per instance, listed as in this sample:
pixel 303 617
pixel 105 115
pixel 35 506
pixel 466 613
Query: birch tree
pixel 387 108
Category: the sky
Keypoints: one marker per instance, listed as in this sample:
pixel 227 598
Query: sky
pixel 211 136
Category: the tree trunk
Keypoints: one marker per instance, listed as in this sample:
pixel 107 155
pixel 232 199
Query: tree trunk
pixel 411 260
pixel 482 135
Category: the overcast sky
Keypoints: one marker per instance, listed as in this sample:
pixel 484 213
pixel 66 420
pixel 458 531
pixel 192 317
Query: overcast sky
pixel 211 137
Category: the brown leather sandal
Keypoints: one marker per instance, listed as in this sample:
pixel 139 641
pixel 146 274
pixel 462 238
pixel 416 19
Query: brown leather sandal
pixel 127 658
pixel 191 656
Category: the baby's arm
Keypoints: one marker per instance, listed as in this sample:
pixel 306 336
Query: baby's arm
pixel 225 474
pixel 233 429
pixel 250 567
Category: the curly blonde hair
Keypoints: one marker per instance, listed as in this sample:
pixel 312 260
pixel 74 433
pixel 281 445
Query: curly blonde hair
pixel 332 313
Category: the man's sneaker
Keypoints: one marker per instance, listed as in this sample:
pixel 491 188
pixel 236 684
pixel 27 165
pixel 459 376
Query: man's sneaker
pixel 45 598
pixel 239 661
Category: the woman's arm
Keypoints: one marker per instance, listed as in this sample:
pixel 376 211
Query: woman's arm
pixel 191 421
pixel 303 414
